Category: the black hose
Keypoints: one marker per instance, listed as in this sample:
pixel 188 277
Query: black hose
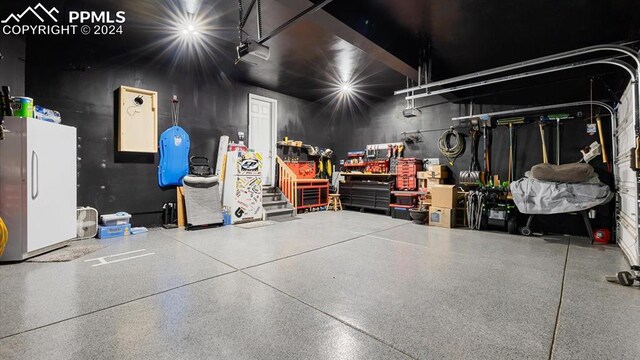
pixel 451 151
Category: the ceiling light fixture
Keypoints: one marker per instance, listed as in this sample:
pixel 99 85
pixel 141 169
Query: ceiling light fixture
pixel 191 40
pixel 189 30
pixel 346 88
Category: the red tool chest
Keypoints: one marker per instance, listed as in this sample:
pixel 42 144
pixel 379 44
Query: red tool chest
pixel 404 182
pixel 312 193
pixel 377 166
pixel 406 173
pixel 408 166
pixel 303 169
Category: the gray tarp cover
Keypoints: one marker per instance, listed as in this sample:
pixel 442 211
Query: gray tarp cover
pixel 202 200
pixel 541 197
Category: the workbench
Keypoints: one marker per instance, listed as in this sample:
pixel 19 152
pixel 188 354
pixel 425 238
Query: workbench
pixel 367 191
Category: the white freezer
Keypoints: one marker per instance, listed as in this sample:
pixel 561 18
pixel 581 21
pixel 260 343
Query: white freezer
pixel 37 186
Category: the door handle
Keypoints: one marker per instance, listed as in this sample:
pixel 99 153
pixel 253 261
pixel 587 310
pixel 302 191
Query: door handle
pixel 35 175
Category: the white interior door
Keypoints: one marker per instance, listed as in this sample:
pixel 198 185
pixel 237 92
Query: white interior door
pixel 262 133
pixel 626 181
pixel 51 184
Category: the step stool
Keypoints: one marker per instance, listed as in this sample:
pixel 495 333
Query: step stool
pixel 334 202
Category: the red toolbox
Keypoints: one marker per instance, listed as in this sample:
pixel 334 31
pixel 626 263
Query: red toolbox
pixel 404 182
pixel 406 173
pixel 408 166
pixel 312 193
pixel 377 166
pixel 303 169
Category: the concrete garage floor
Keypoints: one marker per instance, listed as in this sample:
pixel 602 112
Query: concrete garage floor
pixel 328 286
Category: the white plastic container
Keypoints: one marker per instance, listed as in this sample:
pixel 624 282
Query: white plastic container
pixel 119 218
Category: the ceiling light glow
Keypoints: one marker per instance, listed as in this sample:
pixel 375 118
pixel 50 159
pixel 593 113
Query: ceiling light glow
pixel 189 30
pixel 193 39
pixel 346 88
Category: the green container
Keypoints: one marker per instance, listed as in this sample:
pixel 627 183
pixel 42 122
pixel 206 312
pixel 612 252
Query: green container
pixel 22 106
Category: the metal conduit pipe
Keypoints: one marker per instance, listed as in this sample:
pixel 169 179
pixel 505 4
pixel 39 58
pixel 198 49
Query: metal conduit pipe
pixel 608 107
pixel 610 61
pixel 541 60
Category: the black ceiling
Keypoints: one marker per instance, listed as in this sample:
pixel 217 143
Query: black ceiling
pixel 377 41
pixel 472 35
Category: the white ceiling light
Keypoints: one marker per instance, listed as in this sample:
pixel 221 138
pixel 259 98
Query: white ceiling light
pixel 189 30
pixel 346 88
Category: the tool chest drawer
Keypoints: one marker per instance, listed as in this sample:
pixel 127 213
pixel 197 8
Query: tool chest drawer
pixel 366 195
pixel 312 194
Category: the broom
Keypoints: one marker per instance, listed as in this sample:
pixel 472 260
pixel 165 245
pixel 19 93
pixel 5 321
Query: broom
pixel 510 122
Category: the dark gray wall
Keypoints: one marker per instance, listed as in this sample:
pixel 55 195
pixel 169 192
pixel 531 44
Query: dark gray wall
pixel 12 65
pixel 81 86
pixel 79 80
pixel 383 122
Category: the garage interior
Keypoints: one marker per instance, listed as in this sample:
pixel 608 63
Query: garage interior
pixel 271 179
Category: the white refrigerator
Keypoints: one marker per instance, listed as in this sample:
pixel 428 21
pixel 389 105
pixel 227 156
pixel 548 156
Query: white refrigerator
pixel 242 192
pixel 37 186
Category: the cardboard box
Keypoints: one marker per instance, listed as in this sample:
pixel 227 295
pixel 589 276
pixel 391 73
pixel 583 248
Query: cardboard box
pixel 432 182
pixel 437 172
pixel 444 196
pixel 422 174
pixel 107 232
pixel 441 217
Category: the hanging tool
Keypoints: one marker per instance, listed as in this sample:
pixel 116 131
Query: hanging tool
pixel 555 118
pixel 545 159
pixel 591 127
pixel 590 152
pixel 605 159
pixel 486 135
pixel 510 123
pixel 473 175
